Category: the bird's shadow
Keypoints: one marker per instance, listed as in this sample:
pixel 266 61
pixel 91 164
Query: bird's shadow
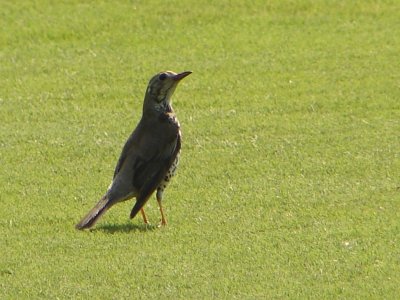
pixel 125 228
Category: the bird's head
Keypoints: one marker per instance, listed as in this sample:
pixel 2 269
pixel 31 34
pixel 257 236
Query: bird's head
pixel 160 89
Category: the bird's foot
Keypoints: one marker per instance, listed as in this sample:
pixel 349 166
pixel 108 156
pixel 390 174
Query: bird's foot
pixel 163 223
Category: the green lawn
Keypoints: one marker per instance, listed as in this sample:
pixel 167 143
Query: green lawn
pixel 289 181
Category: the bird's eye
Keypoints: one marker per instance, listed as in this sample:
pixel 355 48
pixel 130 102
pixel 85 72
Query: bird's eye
pixel 162 76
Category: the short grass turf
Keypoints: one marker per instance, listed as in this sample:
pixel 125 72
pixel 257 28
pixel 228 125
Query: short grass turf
pixel 288 185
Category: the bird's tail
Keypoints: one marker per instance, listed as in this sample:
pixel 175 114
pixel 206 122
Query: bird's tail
pixel 94 214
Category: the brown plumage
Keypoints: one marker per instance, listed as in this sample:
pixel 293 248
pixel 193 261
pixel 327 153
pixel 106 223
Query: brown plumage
pixel 150 155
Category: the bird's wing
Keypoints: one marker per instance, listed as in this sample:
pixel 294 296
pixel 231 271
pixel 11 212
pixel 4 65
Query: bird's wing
pixel 131 148
pixel 149 174
pixel 128 145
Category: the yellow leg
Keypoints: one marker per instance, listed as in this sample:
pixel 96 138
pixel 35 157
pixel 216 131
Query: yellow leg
pixel 163 219
pixel 145 220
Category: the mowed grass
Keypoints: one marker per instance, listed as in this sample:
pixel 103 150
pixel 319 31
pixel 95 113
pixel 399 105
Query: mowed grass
pixel 288 185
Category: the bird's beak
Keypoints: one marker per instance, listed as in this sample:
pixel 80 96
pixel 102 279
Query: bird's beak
pixel 182 75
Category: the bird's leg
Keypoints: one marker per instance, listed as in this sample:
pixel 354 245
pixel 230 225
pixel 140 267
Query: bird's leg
pixel 145 220
pixel 163 219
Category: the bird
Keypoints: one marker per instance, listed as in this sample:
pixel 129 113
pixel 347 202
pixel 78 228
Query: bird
pixel 150 156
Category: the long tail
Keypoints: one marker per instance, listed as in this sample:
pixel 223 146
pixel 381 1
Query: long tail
pixel 94 214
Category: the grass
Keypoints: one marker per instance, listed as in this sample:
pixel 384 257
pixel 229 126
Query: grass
pixel 288 185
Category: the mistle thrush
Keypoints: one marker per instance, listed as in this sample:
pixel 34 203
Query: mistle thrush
pixel 150 155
